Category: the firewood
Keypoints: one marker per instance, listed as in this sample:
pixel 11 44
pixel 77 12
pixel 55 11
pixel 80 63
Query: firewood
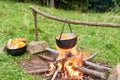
pixel 72 79
pixel 55 74
pixel 46 58
pixel 91 72
pixel 36 68
pixel 36 71
pixel 99 67
pixel 50 74
pixel 56 52
pixel 52 50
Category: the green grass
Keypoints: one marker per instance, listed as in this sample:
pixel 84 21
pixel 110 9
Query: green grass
pixel 16 20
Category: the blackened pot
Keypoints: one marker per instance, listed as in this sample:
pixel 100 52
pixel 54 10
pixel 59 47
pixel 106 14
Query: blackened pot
pixel 66 41
pixel 17 52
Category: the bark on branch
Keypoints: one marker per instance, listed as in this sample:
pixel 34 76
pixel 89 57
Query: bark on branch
pixel 46 58
pixel 91 72
pixel 75 21
pixel 33 71
pixel 100 67
pixel 55 74
pixel 35 23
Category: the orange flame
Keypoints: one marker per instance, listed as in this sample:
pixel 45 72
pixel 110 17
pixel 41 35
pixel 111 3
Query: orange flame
pixel 73 58
pixel 65 52
pixel 69 66
pixel 51 66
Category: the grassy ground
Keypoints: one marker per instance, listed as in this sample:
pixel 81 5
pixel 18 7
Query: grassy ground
pixel 16 20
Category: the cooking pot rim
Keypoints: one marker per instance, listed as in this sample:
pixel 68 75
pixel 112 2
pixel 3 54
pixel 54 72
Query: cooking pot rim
pixel 74 36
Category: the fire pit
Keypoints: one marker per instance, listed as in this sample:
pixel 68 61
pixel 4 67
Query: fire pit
pixel 65 66
pixel 69 64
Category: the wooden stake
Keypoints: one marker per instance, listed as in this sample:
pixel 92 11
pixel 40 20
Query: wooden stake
pixel 35 23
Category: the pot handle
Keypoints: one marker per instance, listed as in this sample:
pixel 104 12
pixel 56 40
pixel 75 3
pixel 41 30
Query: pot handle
pixel 63 30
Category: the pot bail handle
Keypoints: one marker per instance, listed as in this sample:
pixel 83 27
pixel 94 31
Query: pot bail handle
pixel 63 30
pixel 70 27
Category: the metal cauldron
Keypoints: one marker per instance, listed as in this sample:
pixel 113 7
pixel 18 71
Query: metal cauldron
pixel 66 40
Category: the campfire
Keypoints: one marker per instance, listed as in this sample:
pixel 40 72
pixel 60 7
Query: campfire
pixel 68 57
pixel 66 64
pixel 70 63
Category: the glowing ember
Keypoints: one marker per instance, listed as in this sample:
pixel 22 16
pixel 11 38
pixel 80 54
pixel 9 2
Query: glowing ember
pixel 66 61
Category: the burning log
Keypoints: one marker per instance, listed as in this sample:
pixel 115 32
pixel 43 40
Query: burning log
pixel 36 71
pixel 56 52
pixel 46 58
pixel 99 67
pixel 55 74
pixel 91 72
pixel 66 68
pixel 61 60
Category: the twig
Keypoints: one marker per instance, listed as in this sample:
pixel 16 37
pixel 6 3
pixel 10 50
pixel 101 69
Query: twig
pixel 92 56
